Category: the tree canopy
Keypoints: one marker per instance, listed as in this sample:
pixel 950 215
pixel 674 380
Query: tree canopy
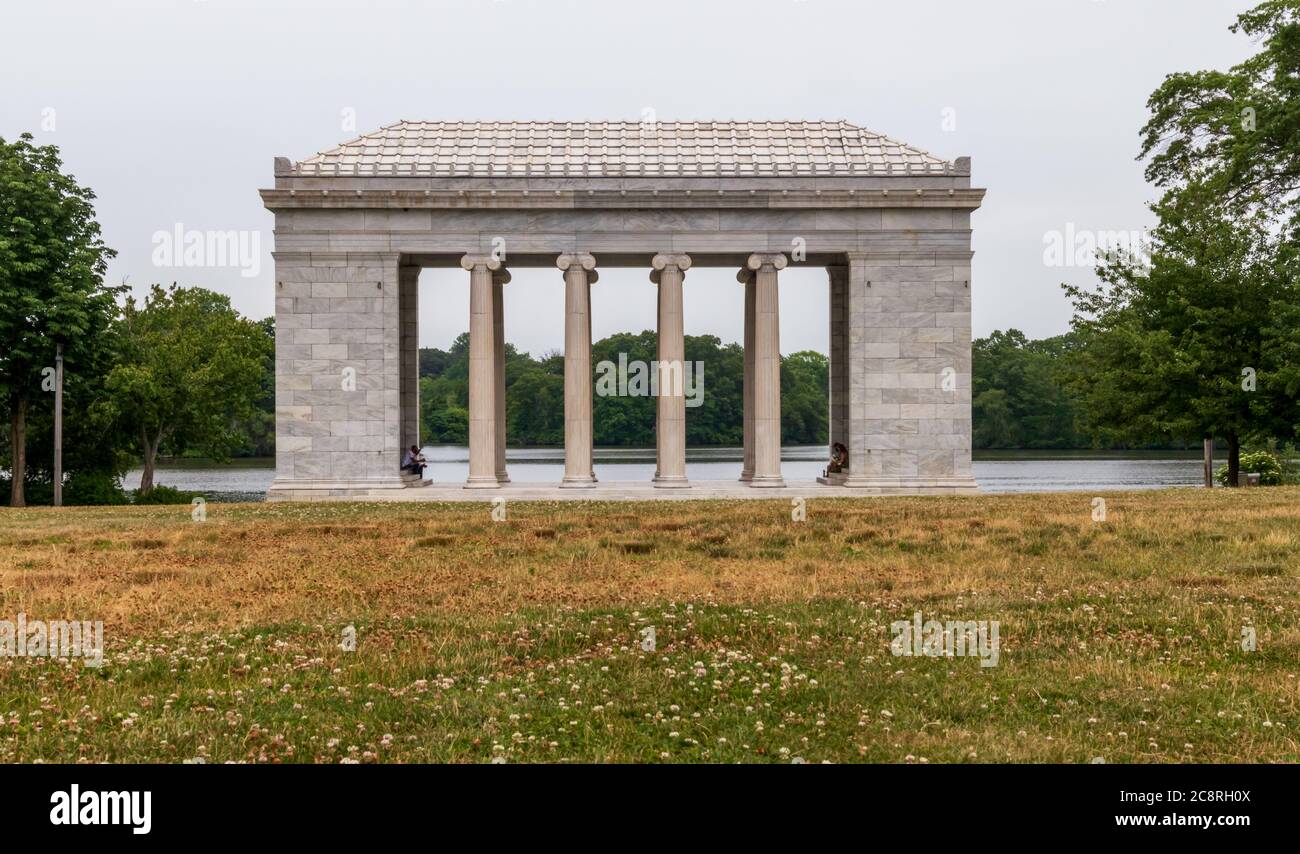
pixel 1188 348
pixel 535 394
pixel 1235 134
pixel 1201 341
pixel 52 291
pixel 191 368
pixel 1017 398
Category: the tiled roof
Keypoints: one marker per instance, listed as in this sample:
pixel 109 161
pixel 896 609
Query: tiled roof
pixel 623 149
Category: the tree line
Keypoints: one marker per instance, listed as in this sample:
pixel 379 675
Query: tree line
pixel 535 394
pixel 1025 395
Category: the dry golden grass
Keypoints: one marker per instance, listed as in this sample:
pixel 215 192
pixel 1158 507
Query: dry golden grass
pixel 150 568
pixel 1126 624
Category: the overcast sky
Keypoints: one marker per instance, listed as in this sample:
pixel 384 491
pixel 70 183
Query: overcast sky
pixel 172 111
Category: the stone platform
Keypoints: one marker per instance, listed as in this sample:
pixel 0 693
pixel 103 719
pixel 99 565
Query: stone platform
pixel 621 491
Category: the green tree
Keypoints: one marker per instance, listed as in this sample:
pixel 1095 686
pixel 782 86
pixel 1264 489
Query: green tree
pixel 1186 349
pixel 994 423
pixel 625 420
pixel 805 396
pixel 190 370
pixel 257 428
pixel 52 291
pixel 1212 324
pixel 535 408
pixel 94 450
pixel 456 363
pixel 433 361
pixel 1235 133
pixel 444 413
pixel 715 405
pixel 1017 400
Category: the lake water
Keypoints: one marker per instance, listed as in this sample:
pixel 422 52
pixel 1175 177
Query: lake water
pixel 1002 471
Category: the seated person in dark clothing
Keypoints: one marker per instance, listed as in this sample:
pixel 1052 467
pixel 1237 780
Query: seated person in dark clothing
pixel 414 461
pixel 839 459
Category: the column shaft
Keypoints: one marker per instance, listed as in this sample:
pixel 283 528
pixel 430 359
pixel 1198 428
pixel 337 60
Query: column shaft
pixel 591 433
pixel 670 433
pixel 499 278
pixel 482 373
pixel 767 371
pixel 747 418
pixel 578 470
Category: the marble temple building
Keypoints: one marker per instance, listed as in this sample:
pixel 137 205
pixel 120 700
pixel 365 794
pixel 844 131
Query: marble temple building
pixel 889 224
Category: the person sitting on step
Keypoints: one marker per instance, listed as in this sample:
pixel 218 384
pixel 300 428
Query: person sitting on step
pixel 839 459
pixel 414 461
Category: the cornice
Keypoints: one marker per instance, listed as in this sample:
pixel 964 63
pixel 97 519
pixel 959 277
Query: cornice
pixel 677 199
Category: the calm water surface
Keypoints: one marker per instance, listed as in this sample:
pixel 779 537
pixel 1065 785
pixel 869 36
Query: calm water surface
pixel 1006 471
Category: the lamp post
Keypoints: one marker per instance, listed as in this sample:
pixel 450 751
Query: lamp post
pixel 58 424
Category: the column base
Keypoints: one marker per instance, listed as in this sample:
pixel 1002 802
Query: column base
pixel 912 485
pixel 746 476
pixel 578 482
pixel 489 482
pixel 671 482
pixel 766 481
pixel 502 477
pixel 315 489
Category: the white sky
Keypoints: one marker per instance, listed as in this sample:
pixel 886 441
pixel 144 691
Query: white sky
pixel 172 111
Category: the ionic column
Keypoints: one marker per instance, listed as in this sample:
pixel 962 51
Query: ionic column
pixel 499 278
pixel 482 372
pixel 670 432
pixel 767 370
pixel 591 280
pixel 746 278
pixel 579 273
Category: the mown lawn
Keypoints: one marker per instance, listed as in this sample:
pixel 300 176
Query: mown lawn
pixel 522 640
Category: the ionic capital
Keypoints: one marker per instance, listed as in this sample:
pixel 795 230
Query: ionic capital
pixel 667 259
pixel 569 260
pixel 501 277
pixel 758 260
pixel 486 262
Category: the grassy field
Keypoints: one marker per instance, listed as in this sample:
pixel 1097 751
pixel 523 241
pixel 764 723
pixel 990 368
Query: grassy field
pixel 522 640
